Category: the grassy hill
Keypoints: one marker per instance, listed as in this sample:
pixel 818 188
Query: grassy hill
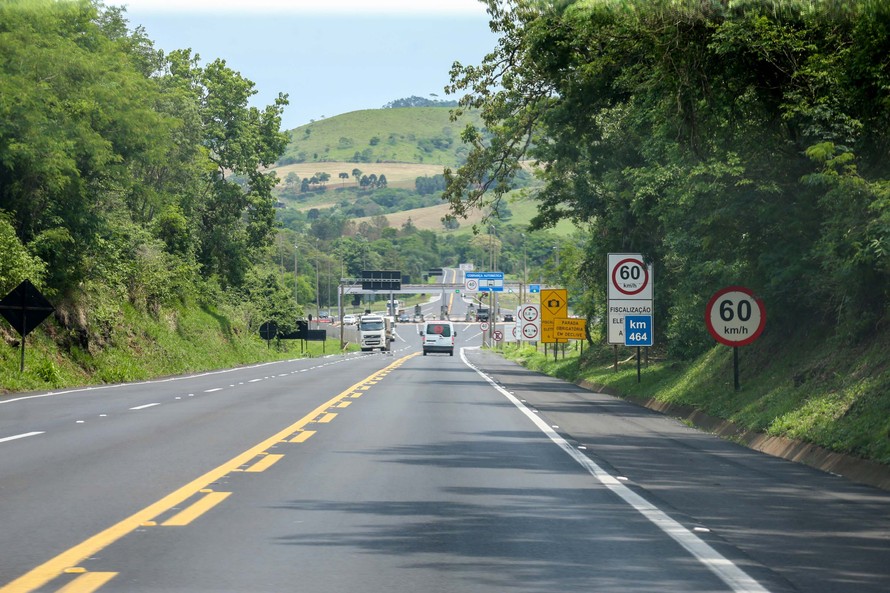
pixel 423 135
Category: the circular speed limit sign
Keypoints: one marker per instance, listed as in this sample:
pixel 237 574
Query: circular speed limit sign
pixel 472 284
pixel 735 316
pixel 630 276
pixel 530 332
pixel 483 326
pixel 529 313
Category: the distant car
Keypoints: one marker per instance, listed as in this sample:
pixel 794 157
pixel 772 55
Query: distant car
pixel 350 319
pixel 508 317
pixel 403 318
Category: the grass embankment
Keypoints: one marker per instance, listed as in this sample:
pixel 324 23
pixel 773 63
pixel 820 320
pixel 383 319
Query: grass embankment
pixel 808 390
pixel 184 341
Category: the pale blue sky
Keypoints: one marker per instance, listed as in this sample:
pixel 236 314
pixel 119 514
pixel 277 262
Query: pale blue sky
pixel 330 57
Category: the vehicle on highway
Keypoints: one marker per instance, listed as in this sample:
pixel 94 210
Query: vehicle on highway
pixel 508 317
pixel 482 314
pixel 350 319
pixel 375 331
pixel 403 318
pixel 437 336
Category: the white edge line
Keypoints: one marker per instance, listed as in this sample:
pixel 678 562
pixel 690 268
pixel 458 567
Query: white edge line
pixel 19 436
pixel 215 389
pixel 737 579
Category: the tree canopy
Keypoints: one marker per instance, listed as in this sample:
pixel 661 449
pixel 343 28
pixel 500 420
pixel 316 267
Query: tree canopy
pixel 125 172
pixel 729 142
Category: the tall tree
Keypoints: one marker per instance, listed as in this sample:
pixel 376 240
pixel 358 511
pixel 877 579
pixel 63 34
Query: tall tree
pixel 729 142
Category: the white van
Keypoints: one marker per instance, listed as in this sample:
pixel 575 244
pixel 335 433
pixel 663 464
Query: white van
pixel 437 336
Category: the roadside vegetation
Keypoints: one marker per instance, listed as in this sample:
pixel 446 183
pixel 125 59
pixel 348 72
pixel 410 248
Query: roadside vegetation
pixel 805 388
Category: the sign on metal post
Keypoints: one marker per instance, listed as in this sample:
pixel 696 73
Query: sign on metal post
pixel 554 304
pixel 529 322
pixel 735 317
pixel 569 328
pixel 638 330
pixel 630 292
pixel 25 308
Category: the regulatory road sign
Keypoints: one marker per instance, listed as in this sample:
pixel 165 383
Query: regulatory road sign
pixel 617 311
pixel 483 326
pixel 530 332
pixel 569 328
pixel 498 336
pixel 629 277
pixel 471 285
pixel 638 330
pixel 529 322
pixel 529 312
pixel 735 316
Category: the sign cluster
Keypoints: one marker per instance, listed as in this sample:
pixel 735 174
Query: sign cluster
pixel 630 300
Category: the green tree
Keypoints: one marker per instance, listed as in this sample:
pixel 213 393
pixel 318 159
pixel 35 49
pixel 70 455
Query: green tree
pixel 729 143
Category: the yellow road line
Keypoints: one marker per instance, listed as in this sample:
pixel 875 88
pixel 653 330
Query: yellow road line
pixel 344 404
pixel 187 515
pixel 327 418
pixel 88 582
pixel 264 463
pixel 303 436
pixel 52 568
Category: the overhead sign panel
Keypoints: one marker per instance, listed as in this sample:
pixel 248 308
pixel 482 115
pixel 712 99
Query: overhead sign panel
pixel 381 280
pixel 484 281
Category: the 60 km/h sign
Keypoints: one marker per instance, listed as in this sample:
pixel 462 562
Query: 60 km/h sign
pixel 735 316
pixel 629 277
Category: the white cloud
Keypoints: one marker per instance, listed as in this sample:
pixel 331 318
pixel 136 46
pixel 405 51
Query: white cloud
pixel 364 7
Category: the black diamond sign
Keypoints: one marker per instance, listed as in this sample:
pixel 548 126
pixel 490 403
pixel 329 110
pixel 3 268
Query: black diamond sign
pixel 25 308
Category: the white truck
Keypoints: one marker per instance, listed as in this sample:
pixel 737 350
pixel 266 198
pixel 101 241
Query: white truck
pixel 374 331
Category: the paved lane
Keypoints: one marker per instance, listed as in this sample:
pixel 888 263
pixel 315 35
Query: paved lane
pixel 401 473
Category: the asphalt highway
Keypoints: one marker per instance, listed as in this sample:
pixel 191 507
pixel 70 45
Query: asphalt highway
pixel 396 472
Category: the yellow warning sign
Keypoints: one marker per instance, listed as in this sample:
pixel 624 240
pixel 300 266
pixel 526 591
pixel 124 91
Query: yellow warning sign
pixel 569 328
pixel 554 305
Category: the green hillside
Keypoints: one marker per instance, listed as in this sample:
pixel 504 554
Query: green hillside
pixel 404 135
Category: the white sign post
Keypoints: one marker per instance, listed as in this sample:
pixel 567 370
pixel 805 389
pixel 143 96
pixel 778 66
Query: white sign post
pixel 630 283
pixel 529 322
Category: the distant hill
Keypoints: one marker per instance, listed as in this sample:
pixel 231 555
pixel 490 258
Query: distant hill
pixel 423 135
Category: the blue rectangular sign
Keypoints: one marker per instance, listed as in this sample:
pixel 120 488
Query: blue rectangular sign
pixel 637 330
pixel 487 281
pixel 534 288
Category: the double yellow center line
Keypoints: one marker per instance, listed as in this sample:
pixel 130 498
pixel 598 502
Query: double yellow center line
pixel 67 562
